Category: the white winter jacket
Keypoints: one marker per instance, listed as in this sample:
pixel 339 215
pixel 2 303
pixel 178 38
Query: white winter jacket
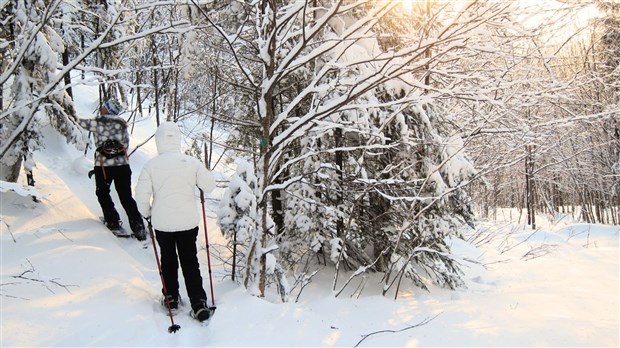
pixel 166 189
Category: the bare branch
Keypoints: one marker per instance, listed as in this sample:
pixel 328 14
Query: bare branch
pixel 422 323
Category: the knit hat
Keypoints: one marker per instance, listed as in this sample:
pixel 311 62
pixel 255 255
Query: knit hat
pixel 113 107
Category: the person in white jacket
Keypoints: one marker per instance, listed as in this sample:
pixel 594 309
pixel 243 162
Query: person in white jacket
pixel 166 197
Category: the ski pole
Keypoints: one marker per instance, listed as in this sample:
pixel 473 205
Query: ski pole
pixel 204 219
pixel 88 143
pixel 174 327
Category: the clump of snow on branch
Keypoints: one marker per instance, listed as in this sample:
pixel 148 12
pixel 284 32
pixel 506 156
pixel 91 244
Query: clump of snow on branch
pixel 237 213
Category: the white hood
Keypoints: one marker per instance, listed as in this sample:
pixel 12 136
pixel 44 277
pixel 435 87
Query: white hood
pixel 168 138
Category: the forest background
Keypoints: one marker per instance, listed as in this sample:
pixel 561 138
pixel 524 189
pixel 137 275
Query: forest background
pixel 364 134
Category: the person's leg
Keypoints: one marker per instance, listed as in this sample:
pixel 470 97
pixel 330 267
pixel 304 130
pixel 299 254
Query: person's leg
pixel 122 184
pixel 186 244
pixel 102 190
pixel 169 262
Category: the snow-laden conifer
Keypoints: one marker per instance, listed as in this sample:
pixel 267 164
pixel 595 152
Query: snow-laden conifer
pixel 37 98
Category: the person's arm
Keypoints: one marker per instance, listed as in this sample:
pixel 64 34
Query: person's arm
pixel 144 192
pixel 125 137
pixel 89 124
pixel 204 179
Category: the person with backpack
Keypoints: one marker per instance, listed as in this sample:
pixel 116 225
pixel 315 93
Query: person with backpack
pixel 166 197
pixel 112 166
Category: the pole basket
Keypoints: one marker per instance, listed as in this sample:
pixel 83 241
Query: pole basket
pixel 174 328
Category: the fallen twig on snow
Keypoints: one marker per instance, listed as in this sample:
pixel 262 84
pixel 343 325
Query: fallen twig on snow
pixel 45 282
pixel 423 322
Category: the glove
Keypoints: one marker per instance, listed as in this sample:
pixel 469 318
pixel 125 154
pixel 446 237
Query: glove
pixel 91 173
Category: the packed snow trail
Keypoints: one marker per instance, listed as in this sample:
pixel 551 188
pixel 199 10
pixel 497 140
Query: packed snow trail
pixel 73 168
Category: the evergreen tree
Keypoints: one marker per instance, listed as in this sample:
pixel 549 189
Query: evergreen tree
pixel 37 97
pixel 351 158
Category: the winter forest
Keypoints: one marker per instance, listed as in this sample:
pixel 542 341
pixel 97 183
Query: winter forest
pixel 362 133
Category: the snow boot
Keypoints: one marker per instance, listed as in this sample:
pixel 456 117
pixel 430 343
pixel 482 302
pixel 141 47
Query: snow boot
pixel 202 312
pixel 140 235
pixel 172 301
pixel 113 225
pixel 138 230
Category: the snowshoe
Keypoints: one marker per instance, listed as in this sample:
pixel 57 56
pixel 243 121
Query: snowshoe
pixel 120 232
pixel 174 303
pixel 116 228
pixel 202 312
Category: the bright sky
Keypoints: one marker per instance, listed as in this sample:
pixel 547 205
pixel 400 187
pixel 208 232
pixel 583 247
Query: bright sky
pixel 584 14
pixel 568 16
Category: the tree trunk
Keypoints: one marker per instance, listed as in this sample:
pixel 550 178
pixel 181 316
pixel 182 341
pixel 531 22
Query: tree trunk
pixel 339 161
pixel 529 188
pixel 267 27
pixel 10 173
pixel 67 76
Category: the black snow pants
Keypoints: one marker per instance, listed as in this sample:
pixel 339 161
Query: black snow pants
pixel 185 243
pixel 121 177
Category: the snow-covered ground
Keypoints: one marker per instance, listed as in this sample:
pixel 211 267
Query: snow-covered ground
pixel 67 281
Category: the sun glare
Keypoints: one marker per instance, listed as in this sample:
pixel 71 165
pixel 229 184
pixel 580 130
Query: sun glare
pixel 407 4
